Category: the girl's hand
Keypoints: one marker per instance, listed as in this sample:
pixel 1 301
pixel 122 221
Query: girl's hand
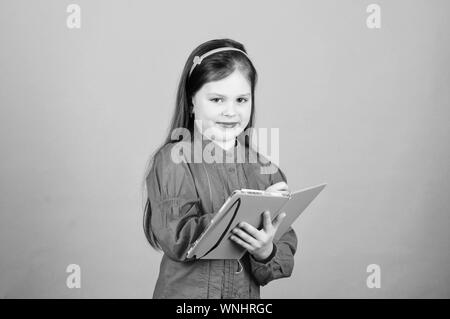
pixel 259 243
pixel 281 187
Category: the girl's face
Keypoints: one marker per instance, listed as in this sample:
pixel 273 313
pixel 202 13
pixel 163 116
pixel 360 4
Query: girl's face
pixel 223 107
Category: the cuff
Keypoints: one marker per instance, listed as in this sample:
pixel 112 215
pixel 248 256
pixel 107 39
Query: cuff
pixel 268 259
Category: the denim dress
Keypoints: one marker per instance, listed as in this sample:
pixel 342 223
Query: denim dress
pixel 184 195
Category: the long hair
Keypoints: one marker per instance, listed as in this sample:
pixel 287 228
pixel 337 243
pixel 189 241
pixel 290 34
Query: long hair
pixel 215 67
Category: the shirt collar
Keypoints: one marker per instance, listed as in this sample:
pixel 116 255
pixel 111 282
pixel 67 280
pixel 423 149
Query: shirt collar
pixel 229 156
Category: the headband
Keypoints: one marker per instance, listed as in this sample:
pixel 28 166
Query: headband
pixel 198 59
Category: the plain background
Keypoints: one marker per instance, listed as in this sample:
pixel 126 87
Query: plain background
pixel 364 110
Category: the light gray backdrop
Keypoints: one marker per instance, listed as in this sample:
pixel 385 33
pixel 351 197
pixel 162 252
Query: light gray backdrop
pixel 365 110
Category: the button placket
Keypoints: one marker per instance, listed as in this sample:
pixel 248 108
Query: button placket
pixel 230 163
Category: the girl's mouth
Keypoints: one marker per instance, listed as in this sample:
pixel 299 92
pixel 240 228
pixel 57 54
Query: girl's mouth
pixel 227 124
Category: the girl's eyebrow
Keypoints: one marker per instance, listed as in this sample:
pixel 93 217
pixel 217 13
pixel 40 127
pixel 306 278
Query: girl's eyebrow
pixel 217 94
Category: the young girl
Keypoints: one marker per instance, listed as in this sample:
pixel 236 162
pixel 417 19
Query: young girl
pixel 215 105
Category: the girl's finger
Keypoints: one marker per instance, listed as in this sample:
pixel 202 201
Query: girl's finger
pixel 278 220
pixel 245 237
pixel 251 230
pixel 281 186
pixel 267 221
pixel 240 242
pixel 277 187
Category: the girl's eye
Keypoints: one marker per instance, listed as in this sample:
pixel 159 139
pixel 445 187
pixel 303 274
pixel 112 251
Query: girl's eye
pixel 216 100
pixel 242 100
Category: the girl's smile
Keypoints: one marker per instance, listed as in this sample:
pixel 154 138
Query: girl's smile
pixel 227 125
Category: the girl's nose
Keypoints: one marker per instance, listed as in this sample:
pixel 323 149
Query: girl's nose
pixel 230 109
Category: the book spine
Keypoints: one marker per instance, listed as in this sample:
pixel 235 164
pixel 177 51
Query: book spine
pixel 211 223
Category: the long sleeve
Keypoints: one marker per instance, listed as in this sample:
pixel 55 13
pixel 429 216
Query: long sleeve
pixel 282 262
pixel 176 217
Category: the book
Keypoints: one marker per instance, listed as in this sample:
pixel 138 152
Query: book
pixel 248 205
